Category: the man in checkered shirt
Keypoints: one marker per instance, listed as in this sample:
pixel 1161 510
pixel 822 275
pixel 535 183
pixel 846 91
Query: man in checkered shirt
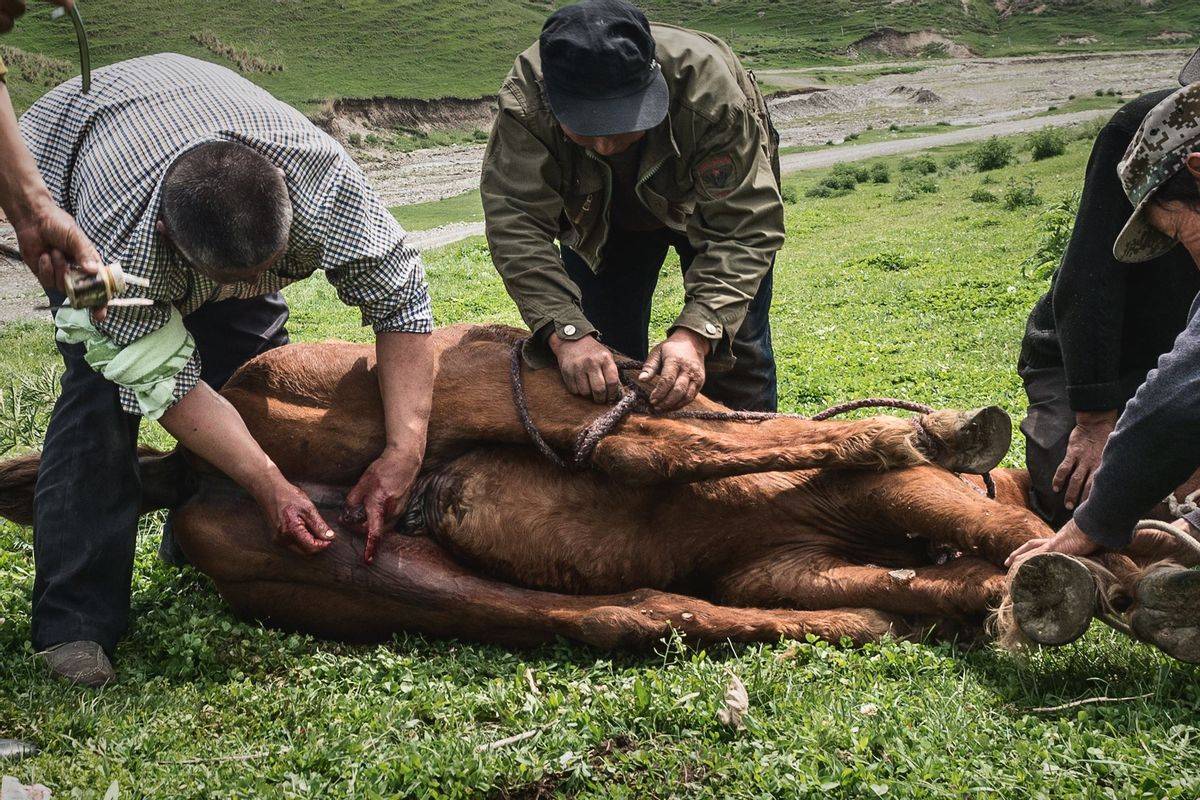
pixel 219 195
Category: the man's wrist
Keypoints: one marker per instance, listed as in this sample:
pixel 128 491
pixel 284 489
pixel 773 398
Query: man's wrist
pixel 259 482
pixel 31 200
pixel 702 344
pixel 1087 418
pixel 408 449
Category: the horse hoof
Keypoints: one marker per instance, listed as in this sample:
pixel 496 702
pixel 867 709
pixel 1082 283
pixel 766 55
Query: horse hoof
pixel 968 441
pixel 1054 597
pixel 1167 614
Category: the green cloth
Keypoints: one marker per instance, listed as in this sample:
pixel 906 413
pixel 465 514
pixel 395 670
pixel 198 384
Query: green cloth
pixel 147 366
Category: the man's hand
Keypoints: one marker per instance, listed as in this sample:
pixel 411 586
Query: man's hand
pixel 679 361
pixel 292 516
pixel 1084 450
pixel 381 494
pixel 588 368
pixel 1069 541
pixel 11 9
pixel 52 243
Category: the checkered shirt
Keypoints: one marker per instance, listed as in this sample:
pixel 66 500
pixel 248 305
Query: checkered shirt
pixel 103 154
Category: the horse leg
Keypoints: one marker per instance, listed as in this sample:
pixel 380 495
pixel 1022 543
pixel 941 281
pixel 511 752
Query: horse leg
pixel 816 577
pixel 414 585
pixel 316 410
pixel 1166 611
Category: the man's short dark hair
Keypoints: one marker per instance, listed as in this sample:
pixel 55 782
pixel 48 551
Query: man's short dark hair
pixel 226 208
pixel 1180 188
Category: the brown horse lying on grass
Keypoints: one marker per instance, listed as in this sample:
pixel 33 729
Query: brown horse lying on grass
pixel 743 531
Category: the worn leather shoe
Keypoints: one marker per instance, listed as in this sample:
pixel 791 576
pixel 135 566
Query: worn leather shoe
pixel 15 750
pixel 82 663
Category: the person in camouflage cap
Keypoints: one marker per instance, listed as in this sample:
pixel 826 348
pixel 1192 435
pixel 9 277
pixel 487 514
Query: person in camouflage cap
pixel 1155 447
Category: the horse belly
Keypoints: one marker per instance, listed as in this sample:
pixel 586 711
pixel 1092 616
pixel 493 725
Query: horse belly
pixel 511 515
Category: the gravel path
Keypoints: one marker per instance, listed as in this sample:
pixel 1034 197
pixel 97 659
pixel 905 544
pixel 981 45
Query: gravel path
pixel 795 162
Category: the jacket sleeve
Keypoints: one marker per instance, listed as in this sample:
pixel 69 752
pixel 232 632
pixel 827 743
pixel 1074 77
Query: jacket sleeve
pixel 522 205
pixel 1089 292
pixel 1154 449
pixel 737 228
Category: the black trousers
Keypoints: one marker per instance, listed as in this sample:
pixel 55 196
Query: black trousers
pixel 88 488
pixel 1047 428
pixel 617 301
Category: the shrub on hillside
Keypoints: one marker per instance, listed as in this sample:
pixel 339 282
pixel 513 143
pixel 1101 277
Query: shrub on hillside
pixel 1021 194
pixel 790 195
pixel 839 181
pixel 880 173
pixel 1047 144
pixel 921 165
pixel 823 191
pixel 851 172
pixel 1057 224
pixel 1088 131
pixel 982 195
pixel 913 185
pixel 994 153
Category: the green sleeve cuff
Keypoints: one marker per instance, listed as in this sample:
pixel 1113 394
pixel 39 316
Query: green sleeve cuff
pixel 148 366
pixel 572 325
pixel 703 322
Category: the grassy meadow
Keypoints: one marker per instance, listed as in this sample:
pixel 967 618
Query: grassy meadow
pixel 922 298
pixel 309 52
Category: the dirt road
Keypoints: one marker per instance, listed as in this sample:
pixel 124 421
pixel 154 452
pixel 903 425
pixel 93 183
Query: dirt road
pixel 827 157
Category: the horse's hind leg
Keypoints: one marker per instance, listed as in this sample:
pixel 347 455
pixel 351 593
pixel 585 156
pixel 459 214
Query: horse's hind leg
pixel 821 577
pixel 414 585
pixel 935 505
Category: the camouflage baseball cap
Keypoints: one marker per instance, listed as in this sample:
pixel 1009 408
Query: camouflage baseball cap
pixel 1169 133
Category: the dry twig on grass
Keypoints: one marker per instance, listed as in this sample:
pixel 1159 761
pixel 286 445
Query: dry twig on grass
pixel 1088 701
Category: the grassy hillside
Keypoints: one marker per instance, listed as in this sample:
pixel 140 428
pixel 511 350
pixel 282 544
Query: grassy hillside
pixel 306 51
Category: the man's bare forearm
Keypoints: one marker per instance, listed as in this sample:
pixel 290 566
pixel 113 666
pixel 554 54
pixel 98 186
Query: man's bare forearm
pixel 206 424
pixel 405 369
pixel 22 190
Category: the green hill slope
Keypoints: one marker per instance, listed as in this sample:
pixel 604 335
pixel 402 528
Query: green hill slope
pixel 308 51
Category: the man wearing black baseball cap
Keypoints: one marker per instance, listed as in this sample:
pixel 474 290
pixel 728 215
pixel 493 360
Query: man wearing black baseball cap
pixel 620 140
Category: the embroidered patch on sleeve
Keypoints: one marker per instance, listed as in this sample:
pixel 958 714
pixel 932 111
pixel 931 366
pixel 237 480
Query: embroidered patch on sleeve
pixel 717 176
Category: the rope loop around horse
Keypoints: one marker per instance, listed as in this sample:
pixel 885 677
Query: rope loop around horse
pixel 636 400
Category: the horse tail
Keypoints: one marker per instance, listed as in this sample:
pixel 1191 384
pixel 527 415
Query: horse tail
pixel 166 483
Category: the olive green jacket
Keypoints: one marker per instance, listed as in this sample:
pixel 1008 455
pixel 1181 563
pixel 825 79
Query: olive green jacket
pixel 710 170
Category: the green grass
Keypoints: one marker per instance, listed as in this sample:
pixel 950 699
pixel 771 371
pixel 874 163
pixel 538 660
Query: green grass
pixel 436 48
pixel 466 207
pixel 924 300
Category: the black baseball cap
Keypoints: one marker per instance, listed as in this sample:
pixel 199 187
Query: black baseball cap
pixel 1191 70
pixel 601 75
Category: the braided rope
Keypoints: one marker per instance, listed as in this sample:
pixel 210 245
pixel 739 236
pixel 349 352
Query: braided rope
pixel 635 399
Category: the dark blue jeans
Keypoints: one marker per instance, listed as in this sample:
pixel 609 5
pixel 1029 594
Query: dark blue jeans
pixel 88 488
pixel 617 301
